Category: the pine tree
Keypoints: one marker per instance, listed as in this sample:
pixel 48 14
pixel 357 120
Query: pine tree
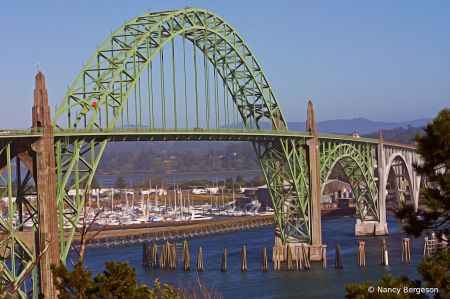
pixel 120 183
pixel 95 184
pixel 434 147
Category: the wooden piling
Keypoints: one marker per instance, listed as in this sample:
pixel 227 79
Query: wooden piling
pixel 162 263
pixel 324 256
pixel 384 254
pixel 305 258
pixel 406 251
pixel 361 254
pixel 223 267
pixel 244 259
pixel 172 263
pixel 144 255
pixel 155 259
pixel 176 252
pixel 277 252
pixel 289 265
pixel 338 258
pixel 264 266
pixel 185 257
pixel 200 260
pixel 298 255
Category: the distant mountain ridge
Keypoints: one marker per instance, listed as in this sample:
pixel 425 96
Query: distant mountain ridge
pixel 360 125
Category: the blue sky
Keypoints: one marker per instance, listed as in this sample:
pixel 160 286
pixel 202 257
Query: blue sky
pixel 381 60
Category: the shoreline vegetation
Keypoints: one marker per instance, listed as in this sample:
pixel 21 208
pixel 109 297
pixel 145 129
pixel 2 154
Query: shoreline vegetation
pixel 157 157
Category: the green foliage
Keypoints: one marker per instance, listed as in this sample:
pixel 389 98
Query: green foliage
pixel 194 183
pixel 434 147
pixel 120 183
pixel 117 281
pixel 75 284
pixel 159 181
pixel 400 135
pixel 434 272
pixel 95 184
pixel 387 287
pixel 236 156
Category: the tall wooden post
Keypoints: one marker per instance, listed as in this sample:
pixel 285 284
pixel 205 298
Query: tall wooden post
pixel 44 175
pixel 314 181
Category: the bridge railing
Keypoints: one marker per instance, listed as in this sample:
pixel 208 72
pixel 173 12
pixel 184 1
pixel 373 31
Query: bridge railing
pixel 27 131
pixel 180 130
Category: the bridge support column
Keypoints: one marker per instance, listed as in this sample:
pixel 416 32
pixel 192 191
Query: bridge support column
pixel 44 174
pixel 314 187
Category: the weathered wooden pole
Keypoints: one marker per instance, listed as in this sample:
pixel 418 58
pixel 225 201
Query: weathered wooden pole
pixel 384 254
pixel 305 257
pixel 186 258
pixel 155 259
pixel 223 267
pixel 361 254
pixel 338 258
pixel 324 256
pixel 277 251
pixel 200 260
pixel 162 263
pixel 289 264
pixel 176 252
pixel 244 260
pixel 298 255
pixel 406 251
pixel 145 255
pixel 264 266
pixel 173 258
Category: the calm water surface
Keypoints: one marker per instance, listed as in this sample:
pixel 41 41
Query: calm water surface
pixel 314 283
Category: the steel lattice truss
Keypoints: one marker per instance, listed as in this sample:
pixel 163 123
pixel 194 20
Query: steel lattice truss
pixel 286 172
pixel 17 248
pixel 113 72
pixel 97 108
pixel 357 161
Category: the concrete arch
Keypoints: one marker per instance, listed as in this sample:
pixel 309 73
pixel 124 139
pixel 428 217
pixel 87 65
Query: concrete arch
pixel 409 176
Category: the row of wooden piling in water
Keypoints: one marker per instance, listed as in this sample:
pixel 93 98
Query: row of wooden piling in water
pixel 169 253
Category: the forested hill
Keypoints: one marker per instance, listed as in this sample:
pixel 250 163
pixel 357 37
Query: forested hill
pixel 202 156
pixel 400 135
pixel 232 156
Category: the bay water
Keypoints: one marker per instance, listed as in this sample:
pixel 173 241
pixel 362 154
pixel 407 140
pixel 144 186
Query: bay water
pixel 314 283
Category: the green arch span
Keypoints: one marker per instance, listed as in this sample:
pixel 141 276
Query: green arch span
pixel 361 173
pixel 110 75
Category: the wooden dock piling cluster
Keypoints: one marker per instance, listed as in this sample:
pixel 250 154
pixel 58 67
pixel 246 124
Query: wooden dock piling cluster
pixel 169 255
pixel 264 267
pixel 361 254
pixel 294 254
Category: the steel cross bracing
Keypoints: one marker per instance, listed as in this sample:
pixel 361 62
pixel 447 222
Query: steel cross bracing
pixel 357 161
pixel 123 85
pixel 114 72
pixel 17 247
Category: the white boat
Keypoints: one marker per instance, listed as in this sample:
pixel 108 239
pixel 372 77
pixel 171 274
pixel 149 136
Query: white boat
pixel 199 217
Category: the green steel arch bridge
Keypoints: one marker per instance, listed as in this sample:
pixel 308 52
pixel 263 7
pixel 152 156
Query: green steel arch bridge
pixel 178 75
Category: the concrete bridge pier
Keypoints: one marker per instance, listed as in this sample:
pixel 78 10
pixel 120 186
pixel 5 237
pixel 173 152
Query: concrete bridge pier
pixel 44 175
